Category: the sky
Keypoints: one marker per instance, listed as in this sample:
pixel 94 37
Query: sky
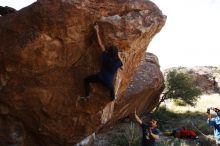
pixel 190 37
pixel 17 4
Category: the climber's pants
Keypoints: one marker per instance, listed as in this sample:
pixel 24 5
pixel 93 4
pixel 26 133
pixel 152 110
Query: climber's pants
pixel 96 79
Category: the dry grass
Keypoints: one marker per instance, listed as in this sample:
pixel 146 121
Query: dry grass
pixel 203 103
pixel 174 117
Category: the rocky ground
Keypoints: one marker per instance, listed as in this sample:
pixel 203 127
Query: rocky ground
pixel 126 132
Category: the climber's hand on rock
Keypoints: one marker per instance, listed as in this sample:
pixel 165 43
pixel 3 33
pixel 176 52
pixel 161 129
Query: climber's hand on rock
pixel 96 27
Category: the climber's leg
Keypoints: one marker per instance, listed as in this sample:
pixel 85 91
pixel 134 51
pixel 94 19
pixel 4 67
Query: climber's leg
pixel 90 79
pixel 112 90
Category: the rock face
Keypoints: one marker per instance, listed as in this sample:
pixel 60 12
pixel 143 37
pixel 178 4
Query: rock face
pixel 6 10
pixel 207 78
pixel 46 51
pixel 146 85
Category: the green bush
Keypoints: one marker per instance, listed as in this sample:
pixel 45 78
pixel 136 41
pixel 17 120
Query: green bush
pixel 179 102
pixel 203 126
pixel 180 85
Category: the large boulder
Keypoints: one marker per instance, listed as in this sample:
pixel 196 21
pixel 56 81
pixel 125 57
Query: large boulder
pixel 46 51
pixel 6 10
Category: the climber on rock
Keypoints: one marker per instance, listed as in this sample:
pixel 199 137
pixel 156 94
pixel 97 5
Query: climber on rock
pixel 110 64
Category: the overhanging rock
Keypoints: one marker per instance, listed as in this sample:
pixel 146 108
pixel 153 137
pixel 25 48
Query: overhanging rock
pixel 46 51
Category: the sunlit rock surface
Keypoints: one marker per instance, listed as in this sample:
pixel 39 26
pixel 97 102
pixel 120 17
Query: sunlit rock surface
pixel 46 51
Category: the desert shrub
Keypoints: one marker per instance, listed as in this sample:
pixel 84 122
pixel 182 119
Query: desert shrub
pixel 128 137
pixel 179 102
pixel 180 85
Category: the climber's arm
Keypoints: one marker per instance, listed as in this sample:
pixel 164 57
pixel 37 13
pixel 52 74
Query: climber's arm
pixel 98 37
pixel 137 118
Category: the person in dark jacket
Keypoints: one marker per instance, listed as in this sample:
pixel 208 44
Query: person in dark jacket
pixel 150 131
pixel 110 64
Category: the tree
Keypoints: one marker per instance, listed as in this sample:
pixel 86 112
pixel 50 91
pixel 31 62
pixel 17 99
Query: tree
pixel 180 85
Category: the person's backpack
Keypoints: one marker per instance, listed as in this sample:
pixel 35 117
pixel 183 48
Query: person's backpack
pixel 186 133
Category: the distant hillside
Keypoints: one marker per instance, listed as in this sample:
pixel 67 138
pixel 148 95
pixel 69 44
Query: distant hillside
pixel 206 77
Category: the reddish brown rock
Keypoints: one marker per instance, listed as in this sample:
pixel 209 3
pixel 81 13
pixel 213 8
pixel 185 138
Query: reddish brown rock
pixel 46 51
pixel 6 10
pixel 143 92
